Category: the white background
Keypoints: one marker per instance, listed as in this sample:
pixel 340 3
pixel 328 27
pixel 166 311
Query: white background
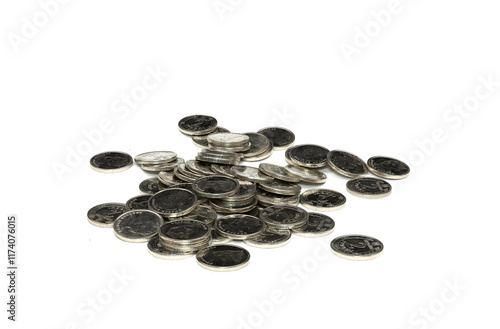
pixel 256 64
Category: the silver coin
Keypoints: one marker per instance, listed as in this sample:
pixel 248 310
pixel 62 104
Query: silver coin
pixel 307 175
pixel 280 187
pixel 346 164
pixel 169 179
pixel 272 199
pixel 218 239
pixel 137 225
pixel 189 187
pixel 227 139
pixel 370 188
pixel 322 200
pixel 289 160
pixel 173 202
pixel 157 250
pixel 162 167
pixel 264 155
pixel 197 125
pixel 203 214
pixel 201 140
pixel 183 177
pixel 155 157
pixel 223 258
pixel 103 215
pixel 182 168
pixel 138 202
pixel 199 167
pixel 278 172
pixel 258 145
pixel 151 186
pixel 281 138
pixel 183 232
pixel 242 148
pixel 239 226
pixel 245 192
pixel 309 155
pixel 255 211
pixel 221 169
pixel 111 162
pixel 317 225
pixel 219 160
pixel 215 204
pixel 389 168
pixel 216 186
pixel 251 174
pixel 270 238
pixel 284 217
pixel 233 204
pixel 356 247
pixel 220 154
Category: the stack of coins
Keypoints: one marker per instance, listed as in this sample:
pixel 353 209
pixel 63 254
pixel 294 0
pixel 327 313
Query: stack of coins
pixel 184 236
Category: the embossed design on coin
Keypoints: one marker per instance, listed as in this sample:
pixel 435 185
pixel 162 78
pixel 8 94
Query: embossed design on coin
pixel 216 186
pixel 173 202
pixel 281 138
pixel 197 125
pixel 184 231
pixel 155 157
pixel 346 164
pixel 284 217
pixel 389 168
pixel 356 247
pixel 309 155
pixel 137 225
pixel 110 162
pixel 223 258
pixel 239 227
pixel 151 186
pixel 322 200
pixel 103 215
pixel 370 188
pixel 138 202
pixel 157 250
pixel 317 225
pixel 270 238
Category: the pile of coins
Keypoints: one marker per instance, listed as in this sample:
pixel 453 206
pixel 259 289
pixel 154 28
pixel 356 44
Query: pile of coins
pixel 177 214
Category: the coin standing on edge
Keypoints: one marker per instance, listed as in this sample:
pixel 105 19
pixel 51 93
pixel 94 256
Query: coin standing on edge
pixel 388 168
pixel 356 247
pixel 111 162
pixel 137 225
pixel 369 188
pixel 223 258
pixel 346 164
pixel 322 200
pixel 103 215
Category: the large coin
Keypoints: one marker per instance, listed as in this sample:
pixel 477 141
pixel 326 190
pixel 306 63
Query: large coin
pixel 227 139
pixel 307 175
pixel 155 157
pixel 151 186
pixel 216 186
pixel 197 125
pixel 317 225
pixel 103 215
pixel 370 188
pixel 389 168
pixel 157 250
pixel 223 258
pixel 309 155
pixel 280 187
pixel 183 232
pixel 356 247
pixel 173 202
pixel 270 238
pixel 322 200
pixel 281 138
pixel 110 162
pixel 239 227
pixel 137 225
pixel 284 217
pixel 251 174
pixel 278 172
pixel 138 202
pixel 346 164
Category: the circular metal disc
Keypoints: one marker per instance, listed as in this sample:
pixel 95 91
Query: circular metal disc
pixel 110 162
pixel 157 250
pixel 307 175
pixel 216 186
pixel 389 168
pixel 197 125
pixel 103 215
pixel 278 172
pixel 346 164
pixel 239 226
pixel 227 139
pixel 251 174
pixel 322 200
pixel 270 238
pixel 173 202
pixel 151 186
pixel 137 225
pixel 223 258
pixel 369 188
pixel 138 202
pixel 184 232
pixel 281 138
pixel 317 225
pixel 280 187
pixel 309 155
pixel 155 157
pixel 284 217
pixel 356 247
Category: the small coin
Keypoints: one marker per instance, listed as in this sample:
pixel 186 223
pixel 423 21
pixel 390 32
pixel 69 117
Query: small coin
pixel 217 238
pixel 239 226
pixel 155 157
pixel 322 200
pixel 258 145
pixel 278 172
pixel 157 250
pixel 162 167
pixel 169 179
pixel 110 162
pixel 309 155
pixel 203 214
pixel 138 202
pixel 307 175
pixel 317 225
pixel 251 174
pixel 216 186
pixel 227 139
pixel 270 238
pixel 356 247
pixel 221 169
pixel 280 187
pixel 284 217
pixel 223 258
pixel 346 164
pixel 137 225
pixel 183 232
pixel 199 167
pixel 197 125
pixel 151 186
pixel 281 138
pixel 389 168
pixel 370 188
pixel 201 140
pixel 103 215
pixel 272 199
pixel 173 202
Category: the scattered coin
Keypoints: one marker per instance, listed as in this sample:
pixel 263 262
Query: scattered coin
pixel 197 125
pixel 138 202
pixel 306 175
pixel 137 225
pixel 155 157
pixel 346 164
pixel 110 162
pixel 322 199
pixel 280 187
pixel 389 168
pixel 216 186
pixel 370 188
pixel 103 215
pixel 151 186
pixel 270 238
pixel 234 149
pixel 284 217
pixel 173 202
pixel 157 250
pixel 356 247
pixel 281 138
pixel 309 155
pixel 245 192
pixel 239 226
pixel 223 258
pixel 251 174
pixel 317 225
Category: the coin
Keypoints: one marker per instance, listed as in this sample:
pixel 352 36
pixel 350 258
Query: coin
pixel 221 169
pixel 242 148
pixel 183 232
pixel 281 138
pixel 182 168
pixel 223 258
pixel 280 187
pixel 183 177
pixel 322 200
pixel 270 238
pixel 346 164
pixel 110 162
pixel 199 167
pixel 239 226
pixel 169 179
pixel 278 172
pixel 203 214
pixel 264 155
pixel 258 145
pixel 306 175
pixel 173 202
pixel 284 217
pixel 317 225
pixel 216 186
pixel 217 238
pixel 201 140
pixel 251 174
pixel 227 139
pixel 220 207
pixel 216 159
pixel 309 155
pixel 151 186
pixel 197 125
pixel 137 225
pixel 189 187
pixel 370 188
pixel 289 160
pixel 389 168
pixel 162 167
pixel 103 215
pixel 356 247
pixel 157 250
pixel 272 199
pixel 155 157
pixel 138 202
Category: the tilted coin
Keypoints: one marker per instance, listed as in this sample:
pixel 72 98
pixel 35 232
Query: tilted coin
pixel 219 160
pixel 157 250
pixel 278 172
pixel 317 225
pixel 217 238
pixel 155 157
pixel 307 175
pixel 162 167
pixel 227 139
pixel 182 168
pixel 138 202
pixel 242 148
pixel 370 188
pixel 288 159
pixel 270 238
pixel 280 187
pixel 220 154
pixel 233 204
pixel 203 214
pixel 346 164
pixel 255 211
pixel 168 178
pixel 110 162
pixel 389 168
pixel 322 200
pixel 272 199
pixel 201 140
pixel 216 186
pixel 251 174
pixel 189 187
pixel 281 138
pixel 239 226
pixel 221 169
pixel 199 167
pixel 258 145
pixel 284 217
pixel 218 205
pixel 223 258
pixel 259 157
pixel 103 215
pixel 151 186
pixel 309 155
pixel 173 202
pixel 183 177
pixel 356 247
pixel 183 232
pixel 137 225
pixel 245 192
pixel 197 125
